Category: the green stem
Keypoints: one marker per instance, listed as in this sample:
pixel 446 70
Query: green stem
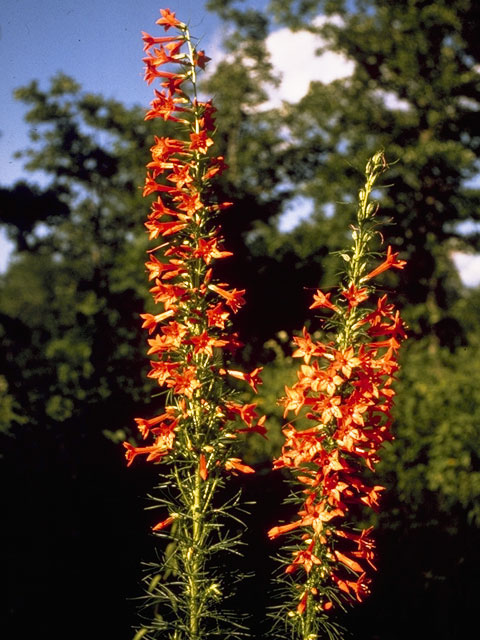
pixel 362 235
pixel 194 558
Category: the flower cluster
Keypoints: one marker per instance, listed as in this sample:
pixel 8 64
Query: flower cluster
pixel 191 329
pixel 345 389
pixel 194 435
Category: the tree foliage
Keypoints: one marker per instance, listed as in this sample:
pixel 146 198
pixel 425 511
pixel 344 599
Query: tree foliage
pixel 70 300
pixel 415 92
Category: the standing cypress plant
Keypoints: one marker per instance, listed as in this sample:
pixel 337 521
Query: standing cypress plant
pixel 344 390
pixel 194 436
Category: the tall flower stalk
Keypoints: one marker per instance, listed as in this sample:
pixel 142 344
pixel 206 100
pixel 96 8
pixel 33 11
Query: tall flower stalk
pixel 193 436
pixel 344 390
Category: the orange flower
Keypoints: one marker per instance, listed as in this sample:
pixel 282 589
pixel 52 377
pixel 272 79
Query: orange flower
pixel 191 332
pixel 217 316
pixel 234 298
pixel 184 382
pixel 256 428
pixel 390 261
pixel 238 465
pixel 346 360
pixel 150 40
pixel 205 343
pixel 302 604
pixel 209 250
pixel 294 400
pixel 307 348
pixel 200 142
pixel 163 106
pixel 150 321
pixel 161 447
pixel 253 378
pixel 304 558
pixel 164 523
pixel 246 411
pixel 355 296
pixel 145 426
pixel 351 564
pixel 202 467
pixel 168 20
pixel 274 532
pixel 321 299
pixel 151 186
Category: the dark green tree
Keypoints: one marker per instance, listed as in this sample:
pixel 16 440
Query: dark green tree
pixel 414 92
pixel 75 284
pixel 73 351
pixel 72 360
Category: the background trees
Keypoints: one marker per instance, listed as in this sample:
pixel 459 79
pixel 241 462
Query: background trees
pixel 69 303
pixel 74 287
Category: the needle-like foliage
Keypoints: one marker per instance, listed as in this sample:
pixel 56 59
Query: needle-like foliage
pixel 194 435
pixel 344 390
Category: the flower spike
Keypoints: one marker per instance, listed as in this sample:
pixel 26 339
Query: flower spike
pixel 344 388
pixel 194 436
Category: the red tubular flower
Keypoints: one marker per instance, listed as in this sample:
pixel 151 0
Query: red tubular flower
pixel 390 261
pixel 237 465
pixel 321 299
pixel 168 20
pixel 149 40
pixel 202 467
pixel 345 389
pixel 233 298
pixel 164 523
pixel 189 335
pixel 355 296
pixel 252 378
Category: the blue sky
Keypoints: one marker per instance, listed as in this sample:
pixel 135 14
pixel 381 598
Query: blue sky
pixel 98 42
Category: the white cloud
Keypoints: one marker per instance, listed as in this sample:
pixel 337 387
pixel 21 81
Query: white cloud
pixel 298 209
pixel 296 63
pixel 6 248
pixel 294 57
pixel 392 101
pixel 468 266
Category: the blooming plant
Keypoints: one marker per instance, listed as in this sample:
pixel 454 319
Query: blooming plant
pixel 194 435
pixel 344 390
